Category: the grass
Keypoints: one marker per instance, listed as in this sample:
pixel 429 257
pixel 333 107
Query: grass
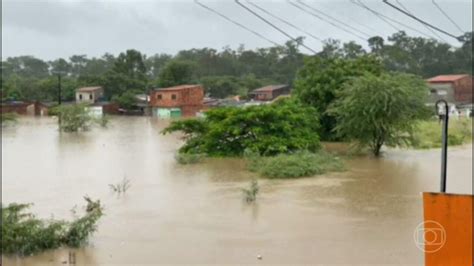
pixel 299 164
pixel 250 194
pixel 189 158
pixel 24 234
pixel 428 133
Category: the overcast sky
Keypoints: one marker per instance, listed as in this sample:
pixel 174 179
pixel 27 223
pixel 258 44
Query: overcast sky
pixel 61 28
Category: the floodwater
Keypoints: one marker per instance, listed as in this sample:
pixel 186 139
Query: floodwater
pixel 194 214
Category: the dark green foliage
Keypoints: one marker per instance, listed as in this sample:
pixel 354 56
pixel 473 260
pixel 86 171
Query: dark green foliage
pixel 320 79
pixel 127 100
pixel 24 234
pixel 177 72
pixel 299 164
pixel 30 78
pixel 224 86
pixel 377 110
pixel 271 129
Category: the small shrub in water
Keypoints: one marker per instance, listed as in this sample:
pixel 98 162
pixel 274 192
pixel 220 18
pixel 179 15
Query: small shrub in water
pixel 250 194
pixel 121 187
pixel 299 164
pixel 24 234
pixel 189 158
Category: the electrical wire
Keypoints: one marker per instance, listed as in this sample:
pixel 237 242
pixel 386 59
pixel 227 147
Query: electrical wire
pixel 375 13
pixel 236 23
pixel 272 25
pixel 447 16
pixel 393 20
pixel 284 21
pixel 320 18
pixel 428 28
pixel 330 17
pixel 459 38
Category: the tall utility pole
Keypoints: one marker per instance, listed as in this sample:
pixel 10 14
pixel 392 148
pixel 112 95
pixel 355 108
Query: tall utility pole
pixel 59 73
pixel 59 88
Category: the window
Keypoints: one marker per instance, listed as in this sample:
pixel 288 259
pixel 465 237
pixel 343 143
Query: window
pixel 90 96
pixel 80 96
pixel 159 97
pixel 173 96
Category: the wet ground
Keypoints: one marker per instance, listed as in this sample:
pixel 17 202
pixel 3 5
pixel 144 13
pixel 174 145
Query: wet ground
pixel 194 214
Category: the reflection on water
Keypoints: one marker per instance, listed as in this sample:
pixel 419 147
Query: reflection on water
pixel 194 214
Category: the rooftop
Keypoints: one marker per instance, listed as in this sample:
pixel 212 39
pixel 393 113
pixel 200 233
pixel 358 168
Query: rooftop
pixel 179 87
pixel 446 78
pixel 270 88
pixel 89 89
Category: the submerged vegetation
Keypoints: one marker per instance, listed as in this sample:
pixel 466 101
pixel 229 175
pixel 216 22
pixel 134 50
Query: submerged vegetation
pixel 8 117
pixel 428 133
pixel 271 129
pixel 250 193
pixel 299 164
pixel 189 158
pixel 76 117
pixel 24 234
pixel 121 187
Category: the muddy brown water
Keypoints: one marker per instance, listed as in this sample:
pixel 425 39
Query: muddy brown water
pixel 194 214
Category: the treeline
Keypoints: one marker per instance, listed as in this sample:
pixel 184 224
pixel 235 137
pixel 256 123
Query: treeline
pixel 223 73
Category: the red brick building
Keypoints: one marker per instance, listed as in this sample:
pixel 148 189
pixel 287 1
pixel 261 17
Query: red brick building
pixel 455 89
pixel 269 93
pixel 182 100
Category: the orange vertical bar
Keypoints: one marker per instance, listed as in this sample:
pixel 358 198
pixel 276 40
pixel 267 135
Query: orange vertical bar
pixel 448 233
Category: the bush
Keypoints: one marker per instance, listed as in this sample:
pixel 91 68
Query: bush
pixel 24 234
pixel 270 129
pixel 428 133
pixel 75 117
pixel 189 158
pixel 299 164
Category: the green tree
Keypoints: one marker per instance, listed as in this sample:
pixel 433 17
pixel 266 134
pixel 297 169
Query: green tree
pixel 320 79
pixel 177 72
pixel 377 110
pixel 281 127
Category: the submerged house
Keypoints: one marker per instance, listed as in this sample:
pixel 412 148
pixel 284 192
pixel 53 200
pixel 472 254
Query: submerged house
pixel 270 92
pixel 93 98
pixel 182 100
pixel 25 107
pixel 89 94
pixel 455 89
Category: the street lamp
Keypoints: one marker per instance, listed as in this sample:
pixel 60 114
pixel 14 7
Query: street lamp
pixel 442 109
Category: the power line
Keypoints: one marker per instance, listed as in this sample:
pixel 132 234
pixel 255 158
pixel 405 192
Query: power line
pixel 236 23
pixel 375 13
pixel 422 21
pixel 284 21
pixel 362 25
pixel 428 28
pixel 391 19
pixel 448 17
pixel 319 17
pixel 330 17
pixel 275 27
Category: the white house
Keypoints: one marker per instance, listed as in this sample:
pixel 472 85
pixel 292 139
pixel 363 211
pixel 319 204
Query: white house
pixel 89 94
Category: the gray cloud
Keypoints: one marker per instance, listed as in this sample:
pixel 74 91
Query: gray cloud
pixel 61 28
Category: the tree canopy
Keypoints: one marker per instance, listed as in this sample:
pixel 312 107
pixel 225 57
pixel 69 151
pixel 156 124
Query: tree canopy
pixel 376 110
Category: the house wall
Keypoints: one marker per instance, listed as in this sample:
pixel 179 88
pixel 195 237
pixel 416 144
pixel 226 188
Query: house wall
pixel 88 97
pixel 440 91
pixel 189 100
pixel 463 90
pixel 31 108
